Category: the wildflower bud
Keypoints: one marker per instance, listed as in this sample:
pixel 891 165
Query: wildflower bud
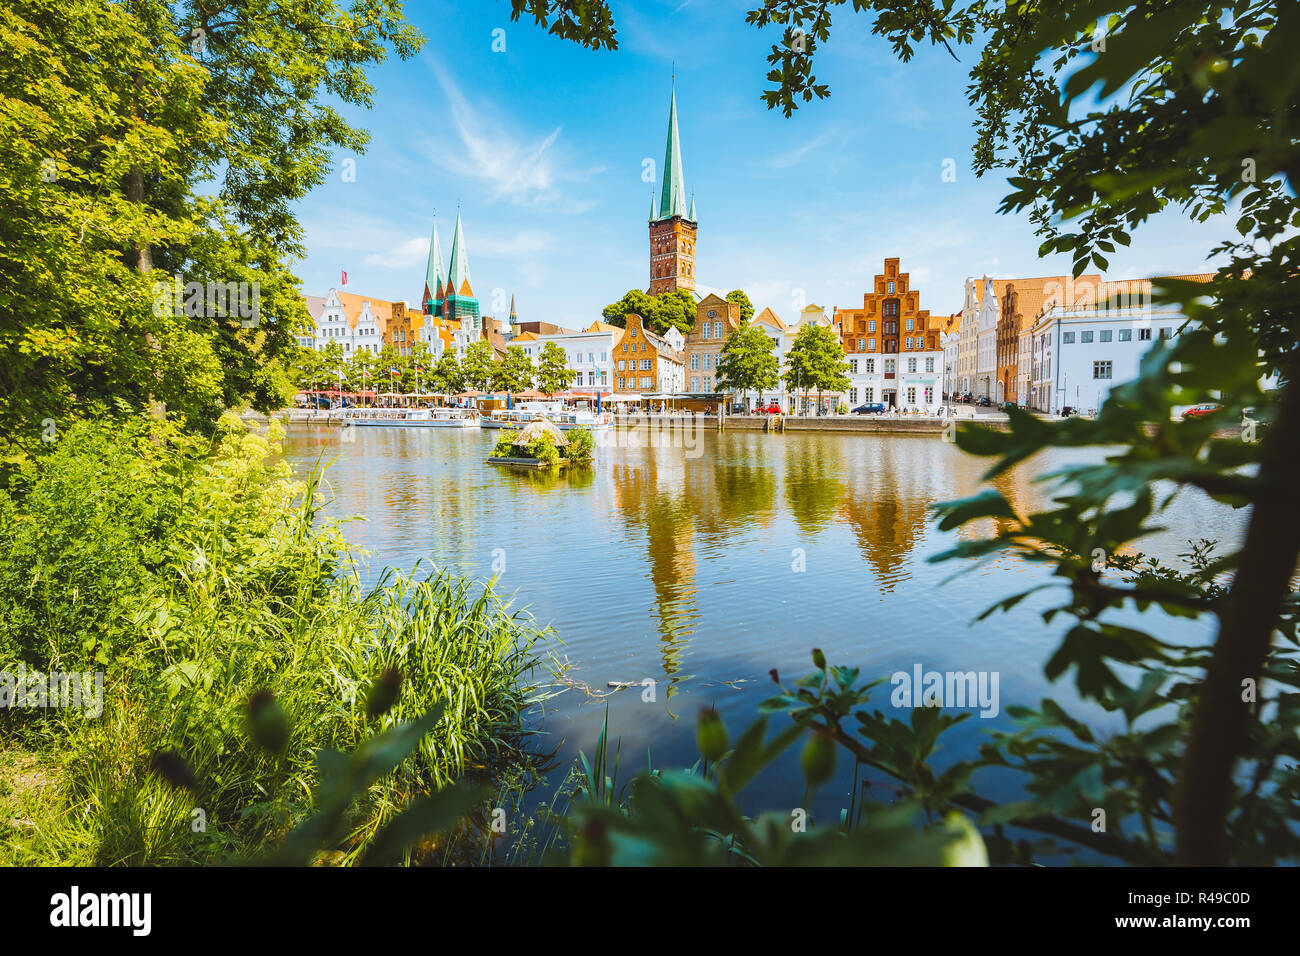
pixel 172 767
pixel 383 694
pixel 267 723
pixel 776 678
pixel 819 659
pixel 818 758
pixel 711 735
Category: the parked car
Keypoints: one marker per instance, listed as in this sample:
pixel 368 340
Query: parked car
pixel 771 408
pixel 870 408
pixel 1007 406
pixel 1067 411
pixel 1197 411
pixel 984 401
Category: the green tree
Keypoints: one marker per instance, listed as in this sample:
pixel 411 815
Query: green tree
pixel 553 372
pixel 815 360
pixel 514 372
pixel 168 154
pixel 478 369
pixel 421 364
pixel 361 369
pixel 635 302
pixel 446 375
pixel 331 364
pixel 748 361
pixel 746 307
pixel 661 312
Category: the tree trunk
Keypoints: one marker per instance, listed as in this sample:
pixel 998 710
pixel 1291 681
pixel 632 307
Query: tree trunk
pixel 1247 619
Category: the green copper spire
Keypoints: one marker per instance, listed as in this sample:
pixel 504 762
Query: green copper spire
pixel 691 216
pixel 434 272
pixel 458 273
pixel 672 201
pixel 653 210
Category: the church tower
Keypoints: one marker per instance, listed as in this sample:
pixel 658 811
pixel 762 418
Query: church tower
pixel 672 224
pixel 434 290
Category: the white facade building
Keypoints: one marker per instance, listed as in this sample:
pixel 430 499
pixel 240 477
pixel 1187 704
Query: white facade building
pixel 347 319
pixel 590 354
pixel 1077 354
pixel 986 342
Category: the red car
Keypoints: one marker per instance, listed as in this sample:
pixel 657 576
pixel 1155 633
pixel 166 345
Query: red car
pixel 770 409
pixel 1196 411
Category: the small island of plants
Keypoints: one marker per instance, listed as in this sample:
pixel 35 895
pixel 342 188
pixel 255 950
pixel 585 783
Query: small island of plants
pixel 541 444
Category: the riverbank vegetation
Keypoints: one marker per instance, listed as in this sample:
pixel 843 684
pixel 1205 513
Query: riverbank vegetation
pixel 197 576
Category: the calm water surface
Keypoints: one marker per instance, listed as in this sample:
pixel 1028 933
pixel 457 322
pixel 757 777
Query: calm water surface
pixel 684 566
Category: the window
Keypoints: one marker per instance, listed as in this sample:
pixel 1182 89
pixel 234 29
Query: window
pixel 911 396
pixel 1101 370
pixel 645 365
pixel 871 345
pixel 1144 335
pixel 695 361
pixel 909 325
pixel 889 366
pixel 871 326
pixel 871 366
pixel 1067 338
pixel 1103 335
pixel 911 365
pixel 634 333
pixel 622 383
pixel 704 333
pixel 929 365
pixel 603 356
pixel 862 345
pixel 1126 335
pixel 1085 336
pixel 695 384
pixel 624 346
pixel 622 366
pixel 853 396
pixel 868 394
pixel 708 361
pixel 909 341
pixel 929 395
pixel 891 286
pixel 853 366
pixel 1166 333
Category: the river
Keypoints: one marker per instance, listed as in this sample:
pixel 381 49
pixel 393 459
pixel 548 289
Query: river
pixel 702 564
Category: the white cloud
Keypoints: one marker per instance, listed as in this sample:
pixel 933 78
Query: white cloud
pixel 521 172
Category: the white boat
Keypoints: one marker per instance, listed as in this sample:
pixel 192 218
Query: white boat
pixel 412 417
pixel 554 412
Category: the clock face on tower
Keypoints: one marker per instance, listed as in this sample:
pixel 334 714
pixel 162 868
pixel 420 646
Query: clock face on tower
pixel 713 314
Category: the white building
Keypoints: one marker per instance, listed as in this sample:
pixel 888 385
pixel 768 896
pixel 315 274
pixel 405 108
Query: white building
pixel 356 323
pixel 590 353
pixel 1078 350
pixel 986 342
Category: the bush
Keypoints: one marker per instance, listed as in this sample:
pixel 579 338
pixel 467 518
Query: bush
pixel 581 444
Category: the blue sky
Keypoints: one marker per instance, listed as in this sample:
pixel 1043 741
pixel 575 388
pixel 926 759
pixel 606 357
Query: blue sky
pixel 543 147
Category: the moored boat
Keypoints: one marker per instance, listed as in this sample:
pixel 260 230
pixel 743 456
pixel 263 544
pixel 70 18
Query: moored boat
pixel 412 417
pixel 553 412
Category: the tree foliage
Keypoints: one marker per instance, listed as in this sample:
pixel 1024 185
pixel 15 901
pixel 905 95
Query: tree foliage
pixel 152 142
pixel 661 312
pixel 748 361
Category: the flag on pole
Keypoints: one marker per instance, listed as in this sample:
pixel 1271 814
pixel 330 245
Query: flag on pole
pixel 345 278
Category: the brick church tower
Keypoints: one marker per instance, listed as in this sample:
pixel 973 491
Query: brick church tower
pixel 672 227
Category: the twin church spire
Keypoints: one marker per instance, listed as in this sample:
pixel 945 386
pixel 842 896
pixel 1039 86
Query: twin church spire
pixel 447 292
